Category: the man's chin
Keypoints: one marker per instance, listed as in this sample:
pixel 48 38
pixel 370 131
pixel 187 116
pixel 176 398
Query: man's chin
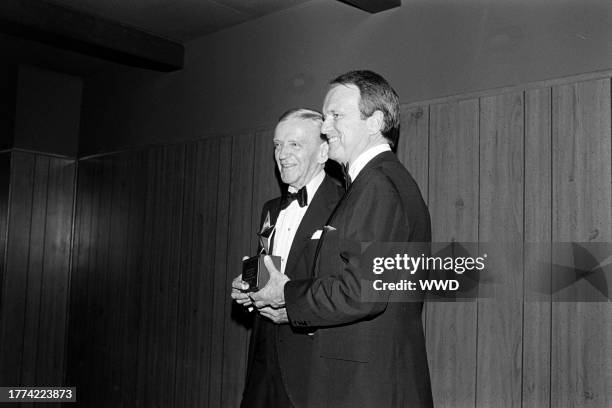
pixel 335 155
pixel 337 158
pixel 287 179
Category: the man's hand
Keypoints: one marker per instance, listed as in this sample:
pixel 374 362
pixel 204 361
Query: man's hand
pixel 238 286
pixel 273 293
pixel 278 316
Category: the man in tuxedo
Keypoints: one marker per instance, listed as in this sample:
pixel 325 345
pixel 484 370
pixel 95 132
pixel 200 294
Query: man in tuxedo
pixel 279 355
pixel 369 351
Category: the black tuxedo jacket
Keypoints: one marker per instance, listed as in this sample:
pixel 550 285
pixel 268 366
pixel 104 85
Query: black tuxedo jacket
pixel 370 354
pixel 293 345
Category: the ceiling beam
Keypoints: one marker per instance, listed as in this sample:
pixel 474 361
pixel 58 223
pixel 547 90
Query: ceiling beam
pixel 374 6
pixel 90 35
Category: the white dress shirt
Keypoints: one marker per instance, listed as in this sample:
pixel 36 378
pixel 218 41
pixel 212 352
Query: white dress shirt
pixel 364 158
pixel 290 218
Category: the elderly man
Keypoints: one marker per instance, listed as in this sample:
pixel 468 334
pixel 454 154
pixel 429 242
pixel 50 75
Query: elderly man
pixel 280 356
pixel 368 354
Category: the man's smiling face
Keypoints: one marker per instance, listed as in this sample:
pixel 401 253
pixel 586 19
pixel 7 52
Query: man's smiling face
pixel 346 131
pixel 299 151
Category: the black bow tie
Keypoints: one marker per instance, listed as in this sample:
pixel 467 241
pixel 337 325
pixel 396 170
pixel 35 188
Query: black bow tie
pixel 347 177
pixel 301 196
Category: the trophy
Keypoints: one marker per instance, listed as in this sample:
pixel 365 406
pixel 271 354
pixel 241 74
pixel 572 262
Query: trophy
pixel 254 271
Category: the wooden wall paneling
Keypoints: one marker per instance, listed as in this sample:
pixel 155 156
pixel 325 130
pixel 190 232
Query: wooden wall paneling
pixel 56 273
pixel 213 246
pixel 54 302
pixel 186 377
pixel 114 234
pixel 93 371
pixel 173 278
pixel 198 272
pixel 131 313
pixel 78 347
pixel 220 292
pixel 537 224
pixel 148 292
pixel 413 145
pixel 35 288
pixel 119 303
pixel 87 317
pixel 160 299
pixel 453 204
pixel 148 355
pixel 14 288
pixel 5 175
pixel 499 370
pixel 581 331
pixel 99 290
pixel 240 243
pixel 34 269
pixel 105 303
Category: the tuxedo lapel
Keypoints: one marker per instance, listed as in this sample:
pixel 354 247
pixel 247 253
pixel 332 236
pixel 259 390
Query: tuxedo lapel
pixel 376 160
pixel 322 203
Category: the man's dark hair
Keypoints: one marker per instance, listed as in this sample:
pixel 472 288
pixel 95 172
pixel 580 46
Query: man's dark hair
pixel 304 114
pixel 376 94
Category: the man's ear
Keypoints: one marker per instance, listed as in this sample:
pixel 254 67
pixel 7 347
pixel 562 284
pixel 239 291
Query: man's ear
pixel 323 152
pixel 376 122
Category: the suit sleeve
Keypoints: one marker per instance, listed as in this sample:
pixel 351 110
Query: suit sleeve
pixel 375 213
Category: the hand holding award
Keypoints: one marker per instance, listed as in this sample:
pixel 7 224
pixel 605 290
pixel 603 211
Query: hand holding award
pixel 254 271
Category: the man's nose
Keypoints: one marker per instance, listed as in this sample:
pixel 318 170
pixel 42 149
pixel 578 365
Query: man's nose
pixel 282 152
pixel 326 127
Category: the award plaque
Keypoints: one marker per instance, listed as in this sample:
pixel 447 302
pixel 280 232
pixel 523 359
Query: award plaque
pixel 254 271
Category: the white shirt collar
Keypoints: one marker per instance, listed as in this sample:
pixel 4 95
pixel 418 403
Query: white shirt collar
pixel 312 186
pixel 364 158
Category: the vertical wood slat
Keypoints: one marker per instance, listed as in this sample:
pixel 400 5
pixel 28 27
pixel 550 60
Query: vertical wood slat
pixel 239 244
pixel 133 287
pixel 213 247
pixel 78 355
pixel 148 293
pixel 582 331
pixel 187 373
pixel 100 284
pixel 173 275
pixel 14 288
pixel 499 371
pixel 538 207
pixel 5 174
pixel 118 305
pixel 218 283
pixel 453 191
pixel 413 145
